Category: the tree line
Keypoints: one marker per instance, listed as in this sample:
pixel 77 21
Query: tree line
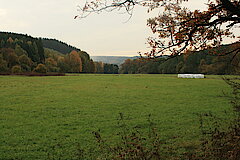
pixel 76 62
pixel 210 61
pixel 22 53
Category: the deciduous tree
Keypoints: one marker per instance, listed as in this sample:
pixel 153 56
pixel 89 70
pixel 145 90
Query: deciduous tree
pixel 25 62
pixel 99 67
pixel 19 51
pixel 51 65
pixel 93 68
pixel 41 68
pixel 177 28
pixel 16 69
pixel 3 64
pixel 75 62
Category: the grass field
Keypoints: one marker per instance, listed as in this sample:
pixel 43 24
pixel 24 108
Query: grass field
pixel 37 113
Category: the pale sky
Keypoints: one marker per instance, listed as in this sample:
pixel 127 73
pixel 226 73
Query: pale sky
pixel 104 34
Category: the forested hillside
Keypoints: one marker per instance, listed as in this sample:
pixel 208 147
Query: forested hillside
pixel 20 52
pixel 23 44
pixel 58 45
pixel 23 54
pixel 212 61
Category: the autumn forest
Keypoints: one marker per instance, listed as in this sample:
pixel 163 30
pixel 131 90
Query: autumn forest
pixel 22 53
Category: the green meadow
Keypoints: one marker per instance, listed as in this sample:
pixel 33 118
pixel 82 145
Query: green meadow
pixel 39 113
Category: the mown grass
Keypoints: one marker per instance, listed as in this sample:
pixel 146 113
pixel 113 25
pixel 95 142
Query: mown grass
pixel 53 115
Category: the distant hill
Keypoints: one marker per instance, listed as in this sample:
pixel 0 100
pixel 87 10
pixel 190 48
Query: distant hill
pixel 21 53
pixel 57 45
pixel 118 60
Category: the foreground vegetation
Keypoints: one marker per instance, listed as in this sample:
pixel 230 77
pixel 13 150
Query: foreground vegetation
pixel 47 117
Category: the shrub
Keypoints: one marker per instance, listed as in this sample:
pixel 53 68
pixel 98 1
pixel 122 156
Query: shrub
pixel 133 144
pixel 41 68
pixel 16 69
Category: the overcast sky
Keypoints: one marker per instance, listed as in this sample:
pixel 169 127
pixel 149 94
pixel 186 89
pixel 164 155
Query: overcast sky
pixel 104 34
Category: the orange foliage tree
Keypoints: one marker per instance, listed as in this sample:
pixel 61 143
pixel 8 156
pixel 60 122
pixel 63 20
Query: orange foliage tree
pixel 177 28
pixel 75 62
